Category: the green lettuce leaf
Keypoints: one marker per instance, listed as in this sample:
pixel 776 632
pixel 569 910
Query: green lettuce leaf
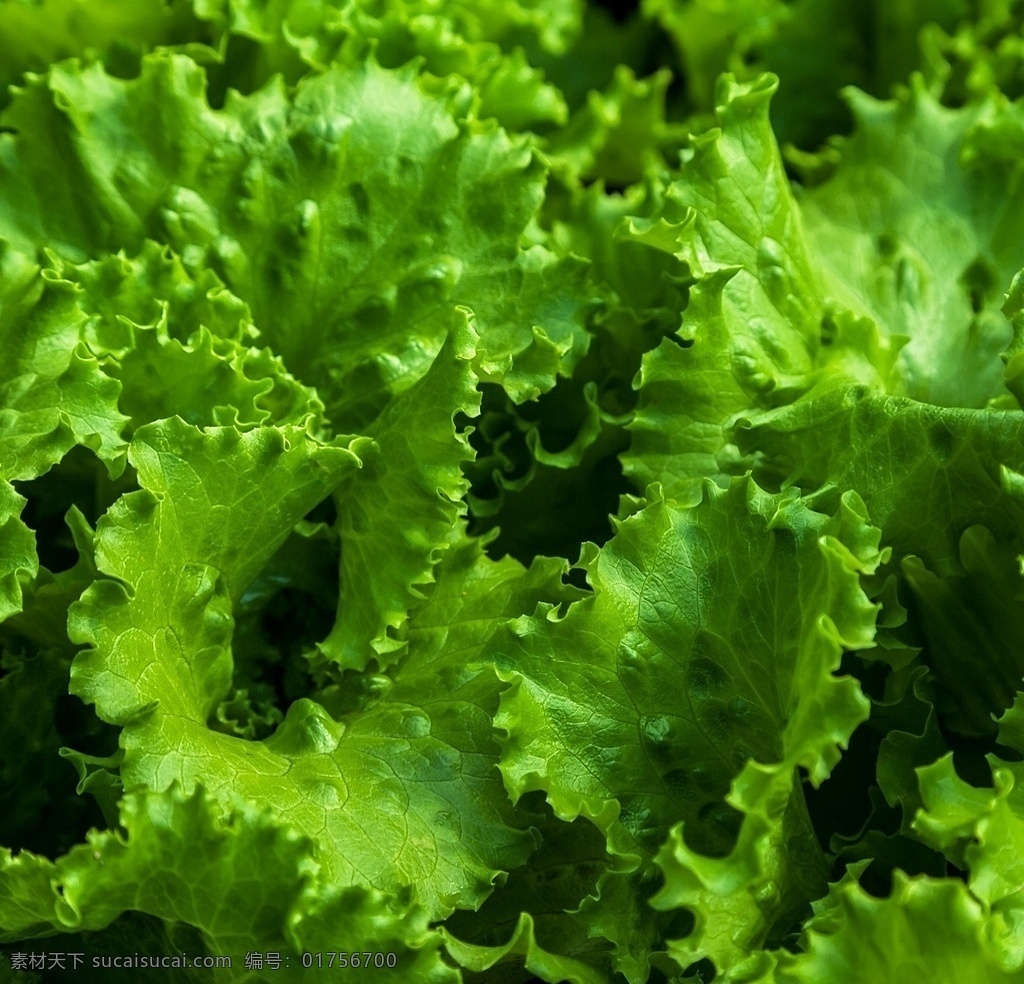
pixel 180 340
pixel 920 234
pixel 471 494
pixel 677 611
pixel 160 663
pixel 540 912
pixel 19 563
pixel 350 269
pixel 751 328
pixel 949 463
pixel 247 882
pixel 537 961
pixel 36 33
pixel 417 473
pixel 54 392
pixel 929 928
pixel 819 46
pixel 619 135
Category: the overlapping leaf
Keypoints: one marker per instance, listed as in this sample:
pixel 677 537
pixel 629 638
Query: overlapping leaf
pixel 180 342
pixel 417 473
pixel 751 329
pixel 18 560
pixel 921 232
pixel 53 392
pixel 215 505
pixel 233 229
pixel 243 879
pixel 349 268
pixel 948 463
pixel 927 928
pixel 726 676
pixel 820 46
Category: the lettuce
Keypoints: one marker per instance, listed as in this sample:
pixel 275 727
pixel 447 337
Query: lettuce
pixel 513 491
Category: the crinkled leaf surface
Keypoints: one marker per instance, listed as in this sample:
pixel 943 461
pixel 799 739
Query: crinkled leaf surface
pixel 981 829
pixel 697 616
pixel 349 268
pixel 416 473
pixel 841 285
pixel 53 392
pixel 819 46
pixel 937 463
pixel 321 686
pixel 182 550
pixel 18 560
pixel 620 134
pixel 928 928
pixel 36 33
pixel 160 662
pixel 240 876
pixel 751 328
pixel 922 233
pixel 178 340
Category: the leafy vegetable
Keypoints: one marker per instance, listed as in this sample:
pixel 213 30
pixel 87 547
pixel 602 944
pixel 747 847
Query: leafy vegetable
pixel 513 491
